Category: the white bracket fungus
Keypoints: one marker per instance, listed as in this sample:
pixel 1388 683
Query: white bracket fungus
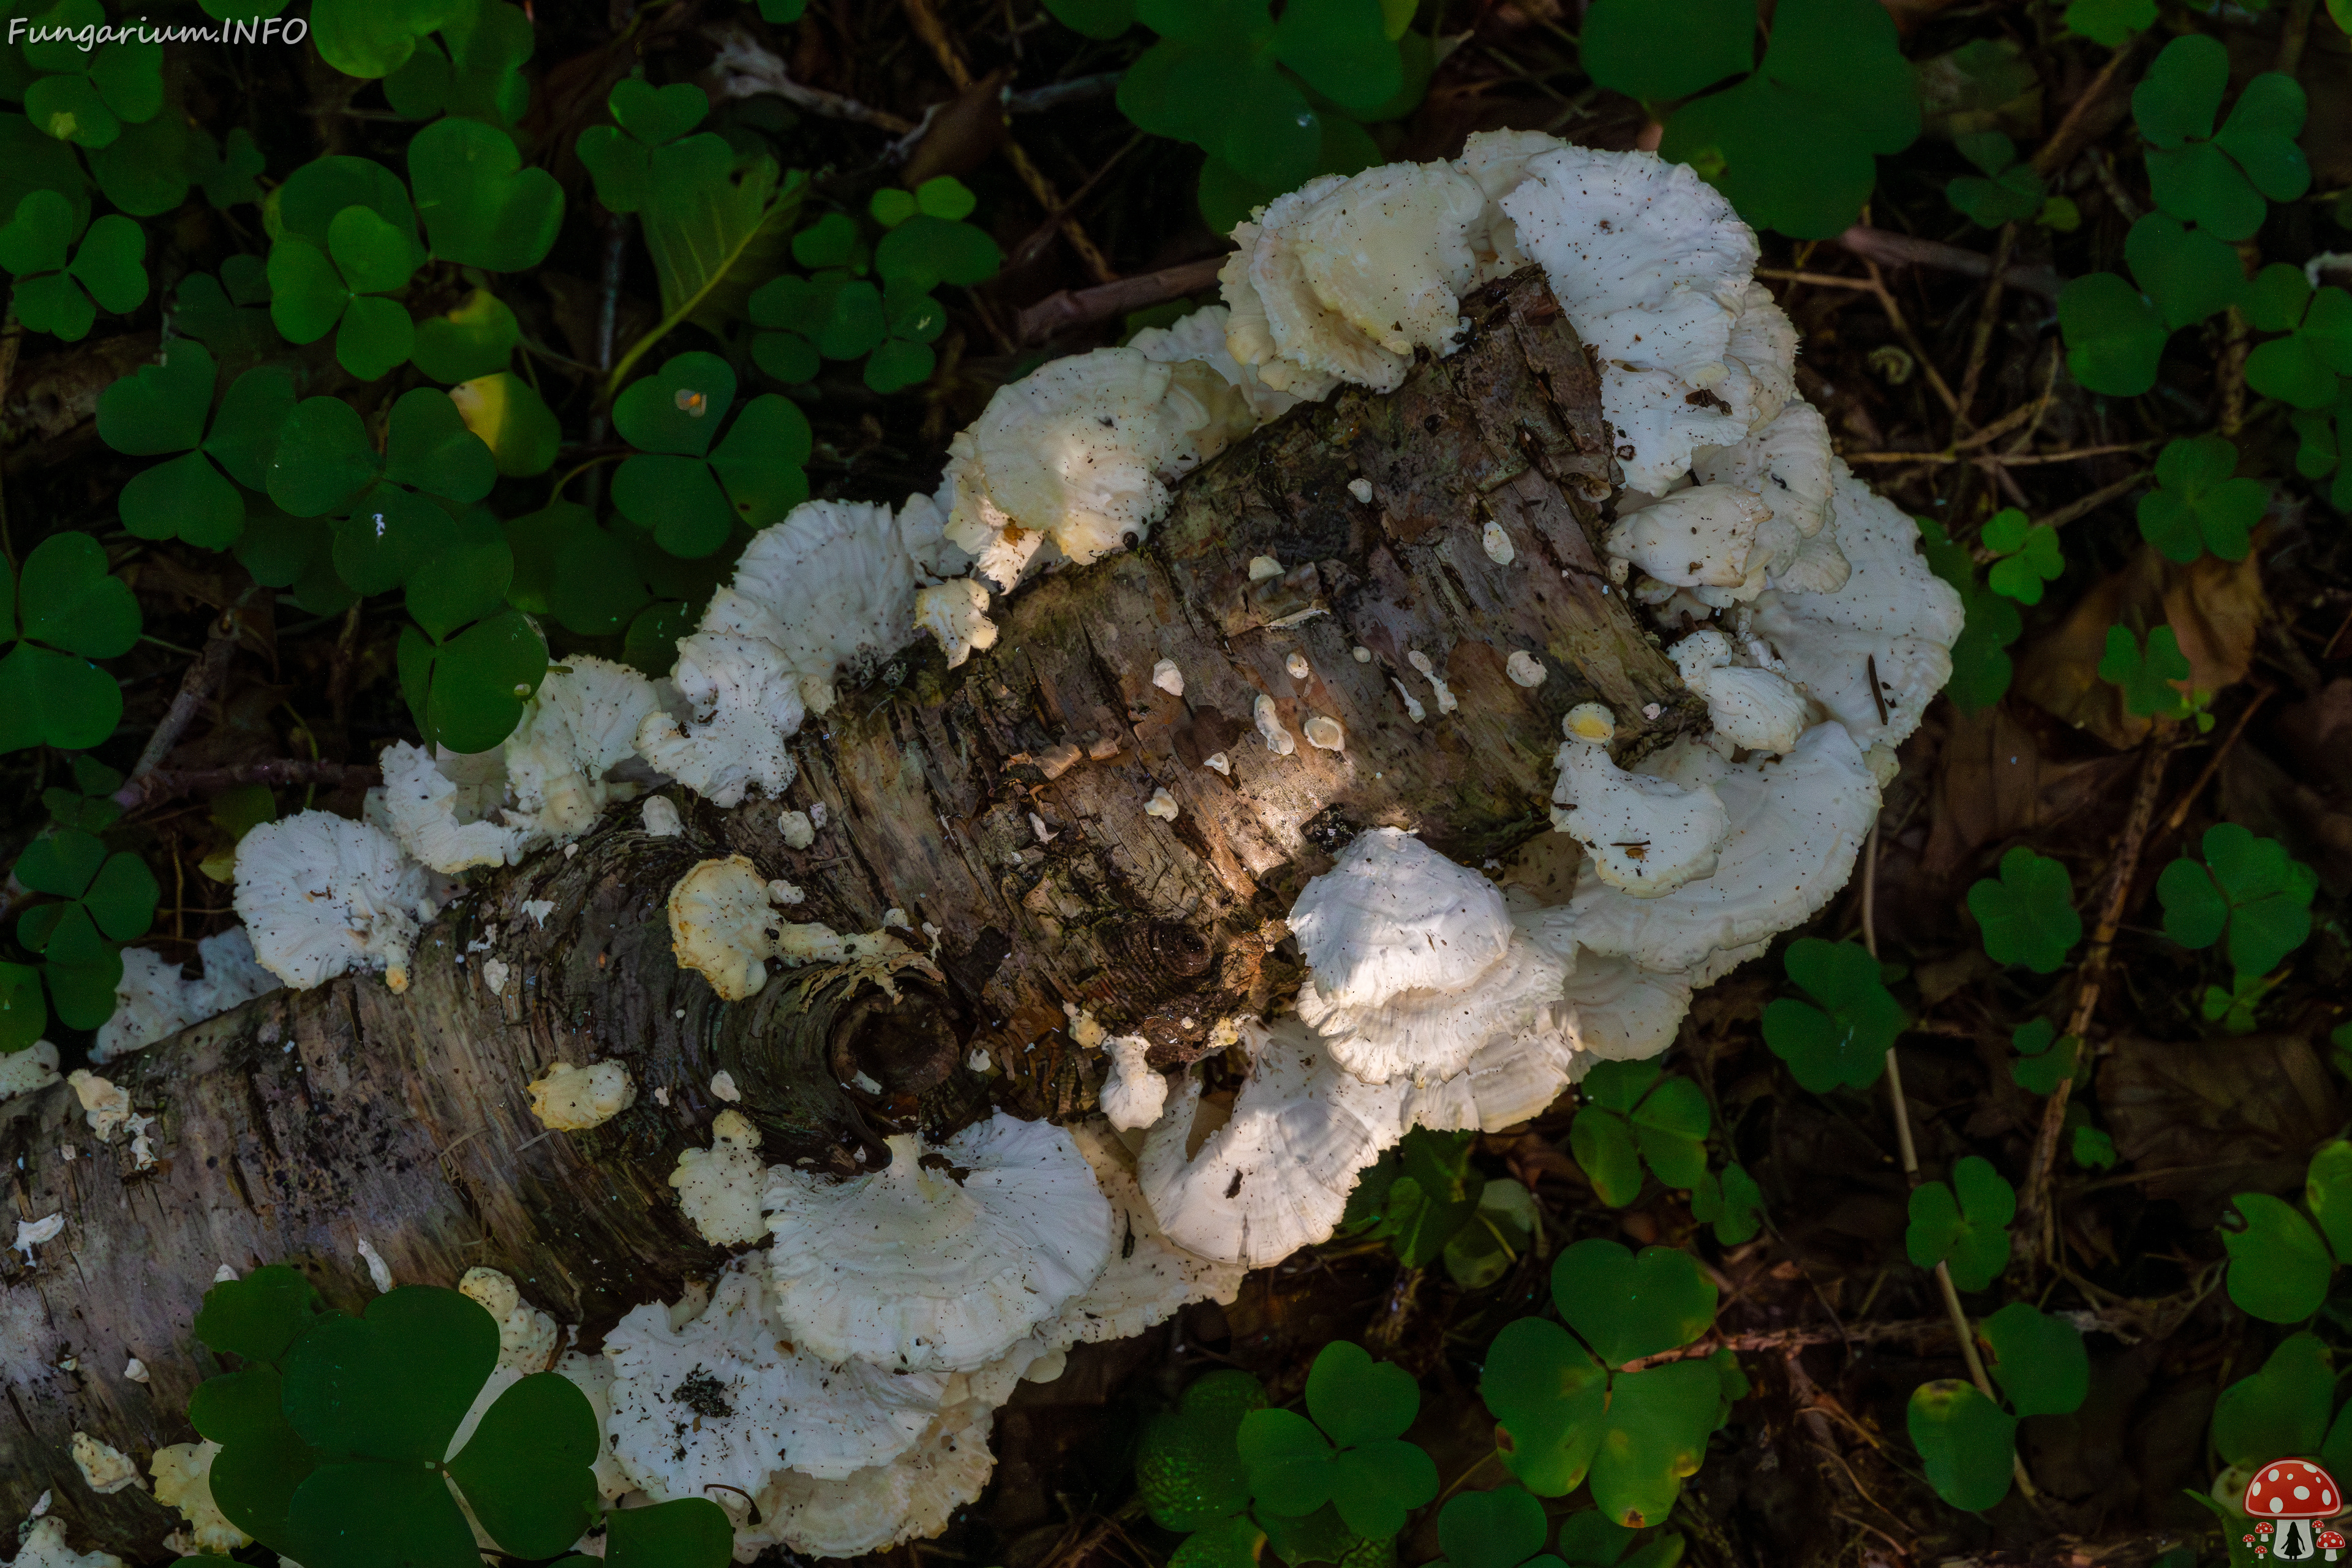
pixel 104 1469
pixel 1168 677
pixel 440 807
pixel 1326 733
pixel 798 832
pixel 1297 666
pixel 1263 568
pixel 1162 804
pixel 945 1258
pixel 956 613
pixel 1646 836
pixel 527 1336
pixel 33 1233
pixel 1753 709
pixel 1692 538
pixel 1496 542
pixel 106 1106
pixel 1446 701
pixel 722 927
pixel 321 896
pixel 567 1099
pixel 580 726
pixel 661 819
pixel 1134 1092
pixel 183 1480
pixel 1412 708
pixel 30 1071
pixel 719 1187
pixel 154 1002
pixel 1219 761
pixel 1393 915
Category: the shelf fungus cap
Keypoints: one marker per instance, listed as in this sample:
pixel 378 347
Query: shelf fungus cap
pixel 945 1258
pixel 743 701
pixel 154 1001
pixel 1647 836
pixel 1279 325
pixel 1796 824
pixel 881 1506
pixel 567 1099
pixel 1427 1035
pixel 580 725
pixel 1148 1279
pixel 1200 335
pixel 956 613
pixel 1393 915
pixel 725 1399
pixel 1133 1093
pixel 722 926
pixel 719 1187
pixel 322 895
pixel 832 585
pixel 445 809
pixel 1692 538
pixel 1388 252
pixel 184 1481
pixel 1276 1176
pixel 1513 1076
pixel 1893 621
pixel 1753 709
pixel 43 1545
pixel 1787 461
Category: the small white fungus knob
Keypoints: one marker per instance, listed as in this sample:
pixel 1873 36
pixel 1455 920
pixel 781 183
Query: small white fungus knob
pixel 661 817
pixel 1222 763
pixel 1325 733
pixel 1168 677
pixel 1361 489
pixel 1364 654
pixel 1525 668
pixel 1269 726
pixel 1297 666
pixel 1497 543
pixel 1162 804
pixel 798 830
pixel 1412 708
pixel 1591 721
pixel 1261 567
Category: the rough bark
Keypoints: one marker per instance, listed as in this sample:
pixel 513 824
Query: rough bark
pixel 305 1123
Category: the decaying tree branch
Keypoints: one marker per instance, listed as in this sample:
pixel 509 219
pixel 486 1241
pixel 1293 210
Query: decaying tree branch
pixel 998 806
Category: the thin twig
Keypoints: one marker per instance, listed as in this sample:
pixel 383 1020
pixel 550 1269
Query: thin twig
pixel 1055 95
pixel 1987 317
pixel 1996 459
pixel 2036 1229
pixel 1888 249
pixel 2056 152
pixel 2086 505
pixel 1060 311
pixel 2180 812
pixel 161 787
pixel 195 689
pixel 2292 33
pixel 1902 325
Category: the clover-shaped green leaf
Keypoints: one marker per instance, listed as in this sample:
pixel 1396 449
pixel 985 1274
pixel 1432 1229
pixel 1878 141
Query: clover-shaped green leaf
pixel 1499 1529
pixel 1188 1472
pixel 259 1316
pixel 512 420
pixel 2250 885
pixel 2037 1360
pixel 2321 436
pixel 477 338
pixel 2027 913
pixel 339 288
pixel 669 488
pixel 23 1014
pixel 2279 1267
pixel 88 802
pixel 117 891
pixel 478 203
pixel 2300 368
pixel 1630 1305
pixel 2007 190
pixel 315 194
pixel 1099 19
pixel 1981 662
pixel 95 93
pixel 2281 1407
pixel 2093 1149
pixel 2187 271
pixel 59 612
pixel 619 156
pixel 1629 1115
pixel 62 295
pixel 1964 1225
pixel 2026 555
pixel 229 172
pixel 370 39
pixel 2197 505
pixel 1731 1202
pixel 2115 334
pixel 474 72
pixel 1845 1038
pixel 1966 1441
pixel 163 408
pixel 1792 144
pixel 2217 180
pixel 2110 21
pixel 2044 1059
pixel 564 565
pixel 467 693
pixel 1350 1454
pixel 2149 675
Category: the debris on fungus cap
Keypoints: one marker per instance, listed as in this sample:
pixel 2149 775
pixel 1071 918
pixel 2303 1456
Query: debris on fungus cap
pixel 1786 461
pixel 449 825
pixel 567 1099
pixel 322 895
pixel 1424 1036
pixel 956 613
pixel 1276 1176
pixel 725 1399
pixel 1392 915
pixel 719 1187
pixel 1200 335
pixel 872 1509
pixel 1646 836
pixel 1134 1093
pixel 946 1257
pixel 1651 266
pixel 722 926
pixel 1080 452
pixel 1148 1277
pixel 580 725
pixel 743 700
pixel 1893 620
pixel 1752 709
pixel 1692 538
pixel 1796 824
pixel 832 585
pixel 184 1481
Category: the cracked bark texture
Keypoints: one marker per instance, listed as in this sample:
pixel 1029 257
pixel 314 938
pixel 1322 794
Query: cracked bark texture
pixel 305 1123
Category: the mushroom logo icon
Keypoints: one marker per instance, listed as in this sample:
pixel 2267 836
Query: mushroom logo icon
pixel 2290 1498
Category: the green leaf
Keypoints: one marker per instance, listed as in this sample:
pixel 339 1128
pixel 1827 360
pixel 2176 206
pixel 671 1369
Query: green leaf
pixel 2146 677
pixel 55 700
pixel 2328 1194
pixel 566 566
pixel 68 600
pixel 1342 50
pixel 461 580
pixel 374 337
pixel 245 432
pixel 1497 1529
pixel 476 339
pixel 122 897
pixel 1980 669
pixel 369 38
pixel 39 237
pixel 480 680
pixel 2282 1408
pixel 262 1461
pixel 159 408
pixel 2115 334
pixel 315 193
pixel 2187 272
pixel 71 109
pixel 655 115
pixel 258 1317
pixel 528 1469
pixel 650 645
pixel 82 969
pixel 678 408
pixel 511 420
pixel 2218 182
pixel 2300 368
pixel 1602 1142
pixel 691 1532
pixel 1289 1462
pixel 186 498
pixel 307 294
pixel 2014 194
pixel 2039 1069
pixel 1667 49
pixel 2029 555
pixel 1627 1305
pixel 1671 1127
pixel 1377 1485
pixel 2039 1360
pixel 230 177
pixel 2249 885
pixel 1552 1399
pixel 2027 914
pixel 2197 505
pixel 1846 1040
pixel 368 1513
pixel 110 263
pixel 2093 1149
pixel 715 224
pixel 1967 1442
pixel 1188 1472
pixel 1731 1202
pixel 2110 21
pixel 1357 1400
pixel 894 366
pixel 1965 1224
pixel 1506 1223
pixel 1655 1434
pixel 54 304
pixel 1095 18
pixel 372 256
pixel 61 864
pixel 760 462
pixel 677 499
pixel 324 461
pixel 428 446
pixel 393 1384
pixel 478 203
pixel 23 1014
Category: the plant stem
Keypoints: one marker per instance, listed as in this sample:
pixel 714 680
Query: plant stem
pixel 195 689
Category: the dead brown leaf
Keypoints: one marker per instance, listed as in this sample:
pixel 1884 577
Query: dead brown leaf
pixel 2205 1119
pixel 1993 782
